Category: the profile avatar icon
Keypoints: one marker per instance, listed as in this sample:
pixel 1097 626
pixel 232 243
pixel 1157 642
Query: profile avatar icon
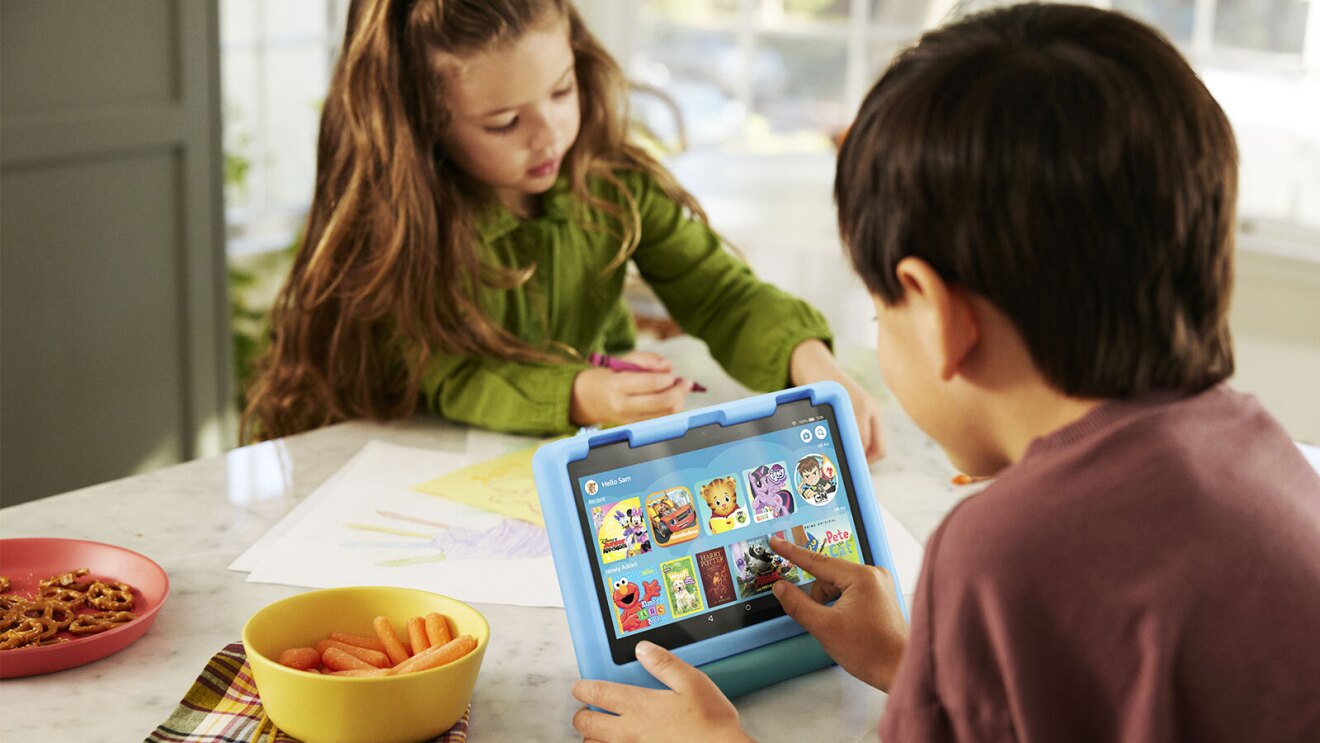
pixel 817 480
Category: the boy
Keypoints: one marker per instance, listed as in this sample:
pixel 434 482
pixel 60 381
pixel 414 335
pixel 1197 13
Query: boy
pixel 1040 200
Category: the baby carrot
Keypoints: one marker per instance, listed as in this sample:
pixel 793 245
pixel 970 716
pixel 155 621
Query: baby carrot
pixel 374 657
pixel 437 629
pixel 437 656
pixel 369 643
pixel 360 672
pixel 304 659
pixel 385 633
pixel 417 634
pixel 337 660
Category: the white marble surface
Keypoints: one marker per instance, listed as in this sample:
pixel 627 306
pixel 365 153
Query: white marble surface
pixel 195 518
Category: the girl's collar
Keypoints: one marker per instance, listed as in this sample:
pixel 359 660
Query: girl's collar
pixel 498 221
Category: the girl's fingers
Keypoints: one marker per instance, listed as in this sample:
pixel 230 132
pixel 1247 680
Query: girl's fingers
pixel 660 403
pixel 642 383
pixel 652 361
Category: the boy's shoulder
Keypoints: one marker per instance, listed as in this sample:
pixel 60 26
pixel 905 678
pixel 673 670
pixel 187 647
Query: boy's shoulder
pixel 1214 463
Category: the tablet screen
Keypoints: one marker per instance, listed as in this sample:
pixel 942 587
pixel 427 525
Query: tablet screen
pixel 678 530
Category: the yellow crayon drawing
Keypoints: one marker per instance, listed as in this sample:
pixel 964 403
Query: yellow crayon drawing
pixel 503 485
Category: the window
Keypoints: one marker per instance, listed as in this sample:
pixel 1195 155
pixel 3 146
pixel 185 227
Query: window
pixel 776 75
pixel 276 60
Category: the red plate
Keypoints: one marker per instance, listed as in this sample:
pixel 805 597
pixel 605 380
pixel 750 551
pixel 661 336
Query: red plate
pixel 27 561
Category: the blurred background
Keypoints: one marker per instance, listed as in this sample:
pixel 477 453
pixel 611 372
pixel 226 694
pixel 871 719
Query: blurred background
pixel 157 159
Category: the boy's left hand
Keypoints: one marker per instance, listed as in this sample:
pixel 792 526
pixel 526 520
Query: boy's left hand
pixel 691 709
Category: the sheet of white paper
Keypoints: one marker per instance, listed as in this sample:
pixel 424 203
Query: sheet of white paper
pixel 251 557
pixel 371 528
pixel 906 551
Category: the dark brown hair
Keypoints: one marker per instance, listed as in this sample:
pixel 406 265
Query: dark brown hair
pixel 389 267
pixel 1066 164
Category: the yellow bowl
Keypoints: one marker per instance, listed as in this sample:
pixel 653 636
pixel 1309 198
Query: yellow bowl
pixel 344 709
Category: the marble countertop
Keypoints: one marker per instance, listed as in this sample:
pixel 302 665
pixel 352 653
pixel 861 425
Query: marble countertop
pixel 195 518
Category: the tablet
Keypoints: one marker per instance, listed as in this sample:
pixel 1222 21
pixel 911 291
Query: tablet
pixel 659 530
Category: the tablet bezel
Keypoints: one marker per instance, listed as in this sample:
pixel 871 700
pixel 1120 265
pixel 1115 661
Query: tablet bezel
pixel 738 614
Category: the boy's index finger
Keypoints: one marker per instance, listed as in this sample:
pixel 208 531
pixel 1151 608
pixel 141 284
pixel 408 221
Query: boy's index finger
pixel 829 568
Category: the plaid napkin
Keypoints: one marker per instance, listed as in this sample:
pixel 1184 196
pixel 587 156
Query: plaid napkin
pixel 223 707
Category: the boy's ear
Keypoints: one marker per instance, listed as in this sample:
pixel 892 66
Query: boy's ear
pixel 947 324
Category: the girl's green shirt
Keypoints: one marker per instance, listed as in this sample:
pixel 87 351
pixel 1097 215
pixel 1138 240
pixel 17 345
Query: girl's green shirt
pixel 750 327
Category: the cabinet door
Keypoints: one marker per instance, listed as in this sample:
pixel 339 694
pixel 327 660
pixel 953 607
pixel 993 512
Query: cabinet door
pixel 114 350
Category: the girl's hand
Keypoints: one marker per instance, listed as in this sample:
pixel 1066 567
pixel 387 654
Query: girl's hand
pixel 864 631
pixel 691 709
pixel 608 396
pixel 812 361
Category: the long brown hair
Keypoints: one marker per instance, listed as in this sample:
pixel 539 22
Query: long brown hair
pixel 389 267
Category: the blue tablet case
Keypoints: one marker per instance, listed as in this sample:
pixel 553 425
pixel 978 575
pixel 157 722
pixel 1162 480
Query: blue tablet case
pixel 739 661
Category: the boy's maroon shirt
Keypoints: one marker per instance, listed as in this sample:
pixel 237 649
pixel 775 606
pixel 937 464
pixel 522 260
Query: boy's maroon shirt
pixel 1150 572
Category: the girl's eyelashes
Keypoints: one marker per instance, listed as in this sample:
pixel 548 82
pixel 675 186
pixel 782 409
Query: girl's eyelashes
pixel 512 123
pixel 502 128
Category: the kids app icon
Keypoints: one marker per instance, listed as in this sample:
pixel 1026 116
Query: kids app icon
pixel 817 479
pixel 680 578
pixel 673 516
pixel 756 567
pixel 638 600
pixel 771 498
pixel 620 530
pixel 715 577
pixel 724 507
pixel 833 537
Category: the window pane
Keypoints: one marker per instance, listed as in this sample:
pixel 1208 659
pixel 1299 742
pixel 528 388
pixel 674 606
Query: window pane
pixel 296 83
pixel 295 19
pixel 238 21
pixel 1173 17
pixel 797 83
pixel 689 11
pixel 830 11
pixel 1270 25
pixel 240 108
pixel 700 70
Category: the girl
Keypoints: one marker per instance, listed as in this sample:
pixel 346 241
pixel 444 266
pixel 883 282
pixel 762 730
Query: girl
pixel 476 202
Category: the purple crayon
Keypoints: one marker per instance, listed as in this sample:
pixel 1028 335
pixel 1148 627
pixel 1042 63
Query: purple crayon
pixel 609 362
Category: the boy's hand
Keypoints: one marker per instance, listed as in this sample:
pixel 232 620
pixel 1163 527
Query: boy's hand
pixel 811 361
pixel 608 396
pixel 864 631
pixel 692 709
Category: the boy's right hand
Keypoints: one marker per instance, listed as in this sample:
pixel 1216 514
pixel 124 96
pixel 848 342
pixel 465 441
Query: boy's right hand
pixel 864 631
pixel 607 396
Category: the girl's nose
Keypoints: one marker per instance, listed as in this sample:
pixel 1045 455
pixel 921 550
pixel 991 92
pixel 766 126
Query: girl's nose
pixel 542 133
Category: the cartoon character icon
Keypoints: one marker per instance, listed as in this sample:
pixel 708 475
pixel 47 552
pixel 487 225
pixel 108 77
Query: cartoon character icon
pixel 673 517
pixel 770 499
pixel 721 496
pixel 635 535
pixel 629 597
pixel 816 479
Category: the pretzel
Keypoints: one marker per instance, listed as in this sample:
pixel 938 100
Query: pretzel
pixel 32 621
pixel 68 580
pixel 110 596
pixel 4 583
pixel 47 610
pixel 91 624
pixel 67 596
pixel 27 631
